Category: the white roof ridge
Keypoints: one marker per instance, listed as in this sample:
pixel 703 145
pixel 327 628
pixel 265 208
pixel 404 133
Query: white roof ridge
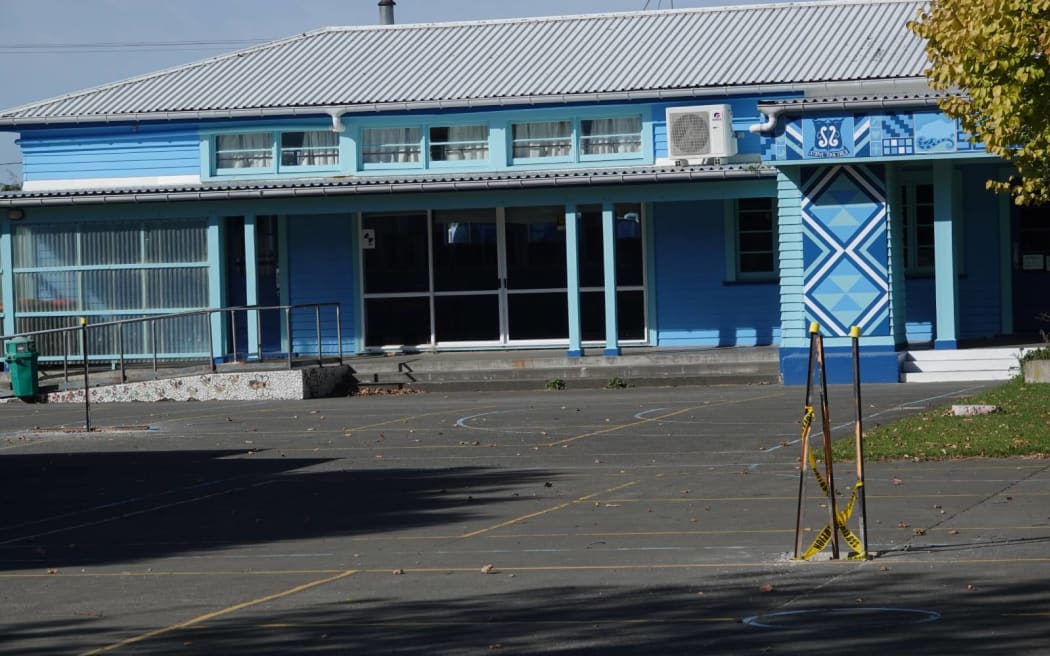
pixel 611 14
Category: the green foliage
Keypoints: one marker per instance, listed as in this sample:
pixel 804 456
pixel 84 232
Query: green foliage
pixel 1020 428
pixel 993 56
pixel 616 383
pixel 554 384
pixel 10 187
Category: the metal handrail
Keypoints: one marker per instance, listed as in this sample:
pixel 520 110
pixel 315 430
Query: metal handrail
pixel 120 325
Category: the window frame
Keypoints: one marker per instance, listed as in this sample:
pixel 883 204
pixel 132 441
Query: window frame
pixel 733 232
pixel 276 152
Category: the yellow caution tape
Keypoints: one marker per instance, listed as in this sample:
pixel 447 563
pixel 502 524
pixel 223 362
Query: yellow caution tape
pixel 842 517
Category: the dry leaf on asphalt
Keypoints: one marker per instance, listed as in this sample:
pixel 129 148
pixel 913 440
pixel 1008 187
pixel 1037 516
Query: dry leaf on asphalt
pixel 487 569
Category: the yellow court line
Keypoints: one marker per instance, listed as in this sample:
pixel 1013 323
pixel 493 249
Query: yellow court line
pixel 523 518
pixel 650 420
pixel 219 613
pixel 62 574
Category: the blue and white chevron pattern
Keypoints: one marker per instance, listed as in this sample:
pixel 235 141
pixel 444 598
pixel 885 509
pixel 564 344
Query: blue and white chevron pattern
pixel 846 250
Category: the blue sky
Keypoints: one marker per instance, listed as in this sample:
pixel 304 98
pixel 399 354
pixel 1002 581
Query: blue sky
pixel 53 47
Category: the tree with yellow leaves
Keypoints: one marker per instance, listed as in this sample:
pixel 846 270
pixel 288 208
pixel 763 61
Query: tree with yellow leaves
pixel 993 57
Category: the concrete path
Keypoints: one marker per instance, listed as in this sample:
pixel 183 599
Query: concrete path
pixel 610 522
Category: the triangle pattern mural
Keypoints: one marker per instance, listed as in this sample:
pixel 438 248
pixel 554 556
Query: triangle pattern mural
pixel 846 250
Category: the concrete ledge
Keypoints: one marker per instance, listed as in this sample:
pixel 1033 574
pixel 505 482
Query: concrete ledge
pixel 295 384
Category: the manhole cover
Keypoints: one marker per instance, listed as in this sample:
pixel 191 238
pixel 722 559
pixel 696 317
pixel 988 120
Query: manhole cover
pixel 826 619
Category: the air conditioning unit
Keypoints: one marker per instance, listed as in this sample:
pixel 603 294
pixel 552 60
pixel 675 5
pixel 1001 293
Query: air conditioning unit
pixel 701 132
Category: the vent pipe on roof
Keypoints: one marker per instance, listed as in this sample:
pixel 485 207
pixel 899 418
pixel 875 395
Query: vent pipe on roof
pixel 386 12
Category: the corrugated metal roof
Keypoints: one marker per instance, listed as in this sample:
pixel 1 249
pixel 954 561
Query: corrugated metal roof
pixel 635 54
pixel 388 185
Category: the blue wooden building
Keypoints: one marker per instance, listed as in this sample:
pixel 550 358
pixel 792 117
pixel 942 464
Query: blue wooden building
pixel 698 177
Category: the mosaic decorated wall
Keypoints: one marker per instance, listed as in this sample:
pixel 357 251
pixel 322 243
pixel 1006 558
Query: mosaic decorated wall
pixel 867 135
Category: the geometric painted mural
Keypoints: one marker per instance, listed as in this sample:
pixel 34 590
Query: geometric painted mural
pixel 846 280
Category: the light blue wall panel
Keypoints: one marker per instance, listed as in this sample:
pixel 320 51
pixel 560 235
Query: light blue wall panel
pixel 694 306
pixel 110 152
pixel 321 263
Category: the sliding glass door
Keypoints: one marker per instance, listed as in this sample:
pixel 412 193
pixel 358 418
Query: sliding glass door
pixel 492 277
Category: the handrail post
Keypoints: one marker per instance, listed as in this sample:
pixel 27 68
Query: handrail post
pixel 153 345
pixel 339 330
pixel 288 331
pixel 233 332
pixel 120 350
pixel 258 335
pixel 211 341
pixel 317 324
pixel 65 356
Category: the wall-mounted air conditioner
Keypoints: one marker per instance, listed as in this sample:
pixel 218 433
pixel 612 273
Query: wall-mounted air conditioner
pixel 700 132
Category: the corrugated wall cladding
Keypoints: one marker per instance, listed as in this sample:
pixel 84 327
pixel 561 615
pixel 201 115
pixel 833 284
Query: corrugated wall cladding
pixel 640 52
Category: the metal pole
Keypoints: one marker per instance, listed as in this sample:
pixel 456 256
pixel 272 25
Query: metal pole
pixel 339 330
pixel 317 324
pixel 87 388
pixel 211 342
pixel 65 357
pixel 153 344
pixel 828 473
pixel 807 422
pixel 120 349
pixel 258 335
pixel 233 332
pixel 859 439
pixel 288 331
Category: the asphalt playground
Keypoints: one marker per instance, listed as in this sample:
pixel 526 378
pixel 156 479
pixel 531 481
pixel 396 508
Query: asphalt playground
pixel 629 521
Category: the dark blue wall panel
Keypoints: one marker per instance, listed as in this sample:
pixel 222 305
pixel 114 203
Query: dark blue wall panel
pixel 321 270
pixel 695 306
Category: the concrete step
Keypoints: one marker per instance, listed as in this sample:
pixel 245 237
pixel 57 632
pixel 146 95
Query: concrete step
pixel 955 376
pixel 533 370
pixel 977 364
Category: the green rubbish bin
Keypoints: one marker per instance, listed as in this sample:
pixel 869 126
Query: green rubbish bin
pixel 22 360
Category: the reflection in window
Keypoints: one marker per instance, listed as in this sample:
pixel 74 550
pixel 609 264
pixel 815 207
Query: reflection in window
pixel 391 145
pixel 459 143
pixel 541 140
pixel 253 150
pixel 611 136
pixel 315 148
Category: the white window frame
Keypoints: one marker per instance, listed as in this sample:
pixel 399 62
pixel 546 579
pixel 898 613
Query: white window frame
pixel 275 167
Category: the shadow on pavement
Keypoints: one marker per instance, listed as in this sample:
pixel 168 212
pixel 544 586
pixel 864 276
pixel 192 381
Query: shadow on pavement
pixel 618 620
pixel 80 509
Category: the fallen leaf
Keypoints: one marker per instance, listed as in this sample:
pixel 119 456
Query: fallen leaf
pixel 399 571
pixel 971 587
pixel 902 525
pixel 766 587
pixel 487 569
pixel 52 570
pixel 919 531
pixel 952 531
pixel 897 481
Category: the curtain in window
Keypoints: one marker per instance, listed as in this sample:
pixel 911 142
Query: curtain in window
pixel 459 143
pixel 391 145
pixel 547 139
pixel 315 148
pixel 611 136
pixel 244 151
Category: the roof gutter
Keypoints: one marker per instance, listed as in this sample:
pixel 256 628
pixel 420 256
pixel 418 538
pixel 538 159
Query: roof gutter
pixel 773 110
pixel 900 85
pixel 366 188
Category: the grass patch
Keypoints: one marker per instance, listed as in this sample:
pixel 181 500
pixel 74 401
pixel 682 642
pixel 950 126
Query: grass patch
pixel 1021 427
